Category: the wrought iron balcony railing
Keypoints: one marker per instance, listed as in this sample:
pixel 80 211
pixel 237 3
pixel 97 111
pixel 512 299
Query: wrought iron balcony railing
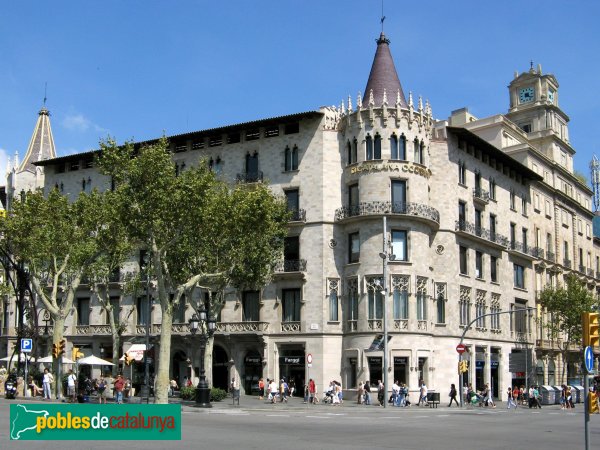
pixel 581 268
pixel 298 215
pixel 537 252
pixel 466 227
pixel 481 194
pixel 590 272
pixel 378 208
pixel 291 265
pixel 550 256
pixel 249 177
pixel 567 263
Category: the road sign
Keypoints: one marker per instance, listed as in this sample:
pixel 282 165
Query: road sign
pixel 588 356
pixel 461 348
pixel 309 359
pixel 26 345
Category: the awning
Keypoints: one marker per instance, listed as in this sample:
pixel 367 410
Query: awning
pixel 136 351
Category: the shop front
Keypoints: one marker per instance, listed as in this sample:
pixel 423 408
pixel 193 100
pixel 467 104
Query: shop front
pixel 292 367
pixel 252 372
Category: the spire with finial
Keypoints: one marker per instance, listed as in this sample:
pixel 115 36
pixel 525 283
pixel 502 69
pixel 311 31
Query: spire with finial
pixel 531 70
pixel 41 145
pixel 342 108
pixel 371 98
pixel 420 103
pixel 349 104
pixel 359 101
pixel 410 99
pixel 384 101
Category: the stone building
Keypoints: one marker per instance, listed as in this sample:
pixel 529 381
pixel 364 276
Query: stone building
pixel 465 216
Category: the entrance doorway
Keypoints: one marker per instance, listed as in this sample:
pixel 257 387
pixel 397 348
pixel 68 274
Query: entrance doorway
pixel 220 372
pixel 292 367
pixel 252 372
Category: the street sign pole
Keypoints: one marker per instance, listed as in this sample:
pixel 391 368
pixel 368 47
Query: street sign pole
pixel 588 358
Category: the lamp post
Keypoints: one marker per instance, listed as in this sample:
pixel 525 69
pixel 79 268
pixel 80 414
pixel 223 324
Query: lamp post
pixel 204 326
pixel 145 389
pixel 384 258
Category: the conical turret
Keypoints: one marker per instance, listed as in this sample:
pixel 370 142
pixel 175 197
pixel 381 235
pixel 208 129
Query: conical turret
pixel 41 145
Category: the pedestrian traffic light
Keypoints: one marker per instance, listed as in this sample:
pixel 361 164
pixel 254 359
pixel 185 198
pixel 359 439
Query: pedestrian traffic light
pixel 55 351
pixel 62 347
pixel 591 329
pixel 76 354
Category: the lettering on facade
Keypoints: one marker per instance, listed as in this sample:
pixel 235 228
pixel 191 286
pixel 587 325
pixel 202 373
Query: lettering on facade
pixel 392 167
pixel 291 360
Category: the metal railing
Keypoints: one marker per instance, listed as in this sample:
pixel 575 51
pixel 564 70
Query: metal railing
pixel 567 263
pixel 470 228
pixel 378 208
pixel 481 194
pixel 550 256
pixel 291 265
pixel 590 272
pixel 400 324
pixel 298 215
pixel 249 177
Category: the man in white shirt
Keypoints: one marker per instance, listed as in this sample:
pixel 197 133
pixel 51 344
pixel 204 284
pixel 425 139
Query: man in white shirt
pixel 71 379
pixel 46 383
pixel 423 394
pixel 273 389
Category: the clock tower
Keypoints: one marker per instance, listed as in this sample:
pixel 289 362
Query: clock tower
pixel 534 108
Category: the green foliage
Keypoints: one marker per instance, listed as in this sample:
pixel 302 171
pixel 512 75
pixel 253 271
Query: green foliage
pixel 187 392
pixel 566 305
pixel 217 394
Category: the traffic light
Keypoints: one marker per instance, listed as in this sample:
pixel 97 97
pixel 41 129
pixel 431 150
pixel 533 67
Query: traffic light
pixel 128 359
pixel 55 351
pixel 591 329
pixel 61 347
pixel 76 354
pixel 463 366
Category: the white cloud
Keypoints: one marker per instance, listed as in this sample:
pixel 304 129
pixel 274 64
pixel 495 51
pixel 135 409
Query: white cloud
pixel 3 162
pixel 78 122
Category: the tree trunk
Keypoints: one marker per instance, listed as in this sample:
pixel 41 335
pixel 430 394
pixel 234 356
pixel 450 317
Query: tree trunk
pixel 57 336
pixel 116 343
pixel 164 356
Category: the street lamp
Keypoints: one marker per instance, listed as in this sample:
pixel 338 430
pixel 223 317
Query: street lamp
pixel 145 389
pixel 204 325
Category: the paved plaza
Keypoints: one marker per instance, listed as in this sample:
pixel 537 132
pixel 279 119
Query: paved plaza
pixel 256 424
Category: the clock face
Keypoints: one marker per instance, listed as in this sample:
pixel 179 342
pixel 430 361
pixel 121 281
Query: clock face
pixel 551 95
pixel 526 95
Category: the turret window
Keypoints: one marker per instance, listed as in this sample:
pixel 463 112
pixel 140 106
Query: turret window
pixel 369 147
pixel 377 153
pixel 402 149
pixel 291 158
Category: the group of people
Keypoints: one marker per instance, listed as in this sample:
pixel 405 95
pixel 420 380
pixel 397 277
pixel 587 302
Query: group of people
pixel 482 397
pixel 275 391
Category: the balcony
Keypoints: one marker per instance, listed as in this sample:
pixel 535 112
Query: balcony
pixel 388 208
pixel 567 263
pixel 290 327
pixel 100 330
pixel 242 327
pixel 422 325
pixel 249 177
pixel 525 249
pixel 481 195
pixel 598 274
pixel 550 256
pixel 581 268
pixel 480 232
pixel 537 252
pixel 400 324
pixel 291 265
pixel 590 272
pixel 351 325
pixel 298 215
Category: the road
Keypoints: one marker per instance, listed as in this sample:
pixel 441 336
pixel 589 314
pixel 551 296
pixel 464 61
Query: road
pixel 295 426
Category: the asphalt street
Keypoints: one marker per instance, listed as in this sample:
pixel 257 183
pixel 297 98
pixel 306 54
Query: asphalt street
pixel 258 425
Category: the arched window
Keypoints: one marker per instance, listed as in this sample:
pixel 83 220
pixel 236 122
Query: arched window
pixel 369 147
pixel 416 151
pixel 295 158
pixel 354 151
pixel 348 153
pixel 394 146
pixel 402 149
pixel 377 153
pixel 291 158
pixel 422 152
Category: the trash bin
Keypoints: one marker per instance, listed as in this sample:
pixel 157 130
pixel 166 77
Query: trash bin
pixel 548 394
pixel 557 394
pixel 577 393
pixel 433 398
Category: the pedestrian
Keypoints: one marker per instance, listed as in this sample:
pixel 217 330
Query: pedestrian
pixel 283 390
pixel 261 388
pixel 101 389
pixel 380 392
pixel 273 391
pixel 510 398
pixel 466 396
pixel 71 392
pixel 173 387
pixel 453 395
pixel 292 386
pixel 423 394
pixel 488 396
pixel 395 394
pixel 359 393
pixel 119 386
pixel 367 389
pixel 46 384
pixel 312 391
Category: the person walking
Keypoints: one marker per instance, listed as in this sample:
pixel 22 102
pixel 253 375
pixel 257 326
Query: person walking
pixel 367 389
pixel 380 392
pixel 510 398
pixel 396 394
pixel 71 392
pixel 312 391
pixel 261 388
pixel 119 385
pixel 488 397
pixel 360 393
pixel 453 395
pixel 46 384
pixel 273 391
pixel 101 388
pixel 423 394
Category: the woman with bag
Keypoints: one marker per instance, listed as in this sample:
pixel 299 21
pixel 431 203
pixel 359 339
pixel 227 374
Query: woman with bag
pixel 453 395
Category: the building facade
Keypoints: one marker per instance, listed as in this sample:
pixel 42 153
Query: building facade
pixel 465 217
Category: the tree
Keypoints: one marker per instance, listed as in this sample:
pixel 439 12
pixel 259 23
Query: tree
pixel 565 305
pixel 57 240
pixel 200 233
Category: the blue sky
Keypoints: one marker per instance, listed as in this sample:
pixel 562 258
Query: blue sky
pixel 134 68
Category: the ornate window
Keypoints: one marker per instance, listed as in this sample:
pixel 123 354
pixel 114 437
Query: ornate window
pixel 480 308
pixel 352 299
pixel 377 152
pixel 375 297
pixel 291 158
pixel 394 146
pixel 441 290
pixel 369 147
pixel 495 309
pixel 400 289
pixel 464 303
pixel 402 149
pixel 333 285
pixel 421 298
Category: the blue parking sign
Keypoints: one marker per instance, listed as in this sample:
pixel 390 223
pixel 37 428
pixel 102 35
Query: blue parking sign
pixel 26 345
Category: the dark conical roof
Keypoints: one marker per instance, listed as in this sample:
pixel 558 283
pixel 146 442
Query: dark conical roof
pixel 384 76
